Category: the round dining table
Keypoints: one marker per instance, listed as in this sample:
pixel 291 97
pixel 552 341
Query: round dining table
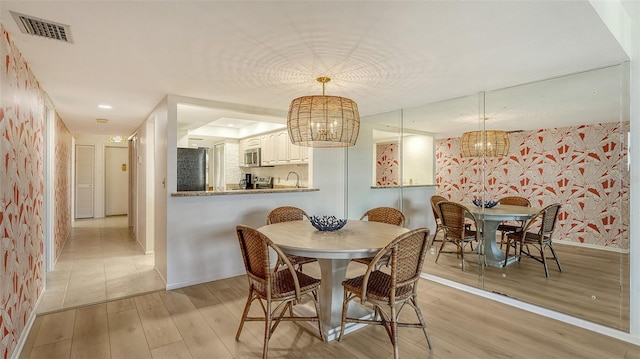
pixel 489 219
pixel 334 250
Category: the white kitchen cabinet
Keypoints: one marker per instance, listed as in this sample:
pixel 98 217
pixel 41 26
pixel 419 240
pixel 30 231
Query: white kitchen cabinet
pixel 276 149
pixel 298 154
pixel 268 144
pixel 295 152
pixel 247 144
pixel 282 147
pixel 253 142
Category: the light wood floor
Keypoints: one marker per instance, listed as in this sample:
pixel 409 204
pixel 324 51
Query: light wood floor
pixel 593 284
pixel 100 261
pixel 200 322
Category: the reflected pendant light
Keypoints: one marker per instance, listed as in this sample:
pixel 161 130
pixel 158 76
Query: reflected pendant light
pixel 323 121
pixel 484 143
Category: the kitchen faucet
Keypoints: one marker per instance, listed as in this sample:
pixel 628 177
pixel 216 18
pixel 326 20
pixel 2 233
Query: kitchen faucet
pixel 297 178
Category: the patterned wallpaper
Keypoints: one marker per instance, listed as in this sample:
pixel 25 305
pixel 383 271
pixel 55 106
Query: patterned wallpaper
pixel 387 164
pixel 21 194
pixel 584 168
pixel 62 180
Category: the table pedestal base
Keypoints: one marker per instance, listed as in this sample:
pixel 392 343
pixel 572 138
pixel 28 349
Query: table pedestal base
pixel 493 255
pixel 332 273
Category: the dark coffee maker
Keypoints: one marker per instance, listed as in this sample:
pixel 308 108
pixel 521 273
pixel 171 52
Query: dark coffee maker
pixel 248 181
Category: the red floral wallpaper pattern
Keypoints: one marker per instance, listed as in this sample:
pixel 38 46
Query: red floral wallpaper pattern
pixel 584 168
pixel 387 164
pixel 62 228
pixel 21 194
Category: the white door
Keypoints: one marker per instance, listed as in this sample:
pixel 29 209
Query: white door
pixel 116 170
pixel 84 181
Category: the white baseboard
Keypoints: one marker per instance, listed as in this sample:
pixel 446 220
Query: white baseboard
pixel 545 312
pixel 172 286
pixel 27 328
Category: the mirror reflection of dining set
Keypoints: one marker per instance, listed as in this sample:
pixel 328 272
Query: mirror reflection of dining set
pixel 388 257
pixel 525 232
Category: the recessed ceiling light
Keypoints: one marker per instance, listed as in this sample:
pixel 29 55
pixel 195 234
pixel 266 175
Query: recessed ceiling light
pixel 230 125
pixel 101 120
pixel 106 107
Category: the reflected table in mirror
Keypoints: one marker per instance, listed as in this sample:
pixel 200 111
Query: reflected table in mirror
pixel 489 219
pixel 334 250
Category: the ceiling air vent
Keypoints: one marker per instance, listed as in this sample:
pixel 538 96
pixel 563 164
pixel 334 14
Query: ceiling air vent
pixel 45 28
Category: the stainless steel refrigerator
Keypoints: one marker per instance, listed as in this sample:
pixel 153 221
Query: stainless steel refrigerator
pixel 192 169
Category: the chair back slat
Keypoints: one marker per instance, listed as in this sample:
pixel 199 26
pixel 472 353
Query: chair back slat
pixel 255 252
pixel 549 218
pixel 408 254
pixel 543 223
pixel 435 199
pixel 385 215
pixel 286 214
pixel 454 217
pixel 515 201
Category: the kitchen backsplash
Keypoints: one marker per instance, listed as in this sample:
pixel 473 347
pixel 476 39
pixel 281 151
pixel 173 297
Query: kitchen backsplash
pixel 279 174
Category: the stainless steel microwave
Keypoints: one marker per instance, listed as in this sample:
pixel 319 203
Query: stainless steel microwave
pixel 252 157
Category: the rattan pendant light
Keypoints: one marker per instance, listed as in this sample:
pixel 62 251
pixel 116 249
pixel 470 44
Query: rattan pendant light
pixel 484 143
pixel 323 121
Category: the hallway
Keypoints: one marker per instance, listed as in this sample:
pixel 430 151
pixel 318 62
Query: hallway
pixel 100 261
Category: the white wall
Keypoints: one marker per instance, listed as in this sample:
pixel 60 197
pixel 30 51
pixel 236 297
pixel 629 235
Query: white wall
pixel 202 243
pixel 412 201
pixel 99 142
pixel 145 191
pixel 159 117
pixel 418 160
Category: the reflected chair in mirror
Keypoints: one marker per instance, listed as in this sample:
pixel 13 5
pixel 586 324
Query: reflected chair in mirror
pixel 537 233
pixel 512 226
pixel 288 214
pixel 277 291
pixel 387 215
pixel 455 219
pixel 435 199
pixel 389 293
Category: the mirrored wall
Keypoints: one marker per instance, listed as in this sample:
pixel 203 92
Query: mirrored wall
pixel 568 140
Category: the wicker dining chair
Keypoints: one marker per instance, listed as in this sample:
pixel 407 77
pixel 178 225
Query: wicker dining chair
pixel 389 293
pixel 537 233
pixel 285 287
pixel 455 219
pixel 435 199
pixel 288 214
pixel 387 215
pixel 512 226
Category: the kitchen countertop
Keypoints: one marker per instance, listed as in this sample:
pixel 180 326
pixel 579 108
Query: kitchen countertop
pixel 405 186
pixel 240 191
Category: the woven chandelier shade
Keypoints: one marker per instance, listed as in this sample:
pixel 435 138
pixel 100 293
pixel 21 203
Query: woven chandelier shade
pixel 484 143
pixel 323 121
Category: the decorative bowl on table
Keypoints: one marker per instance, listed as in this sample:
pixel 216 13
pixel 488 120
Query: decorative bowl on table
pixel 327 223
pixel 487 204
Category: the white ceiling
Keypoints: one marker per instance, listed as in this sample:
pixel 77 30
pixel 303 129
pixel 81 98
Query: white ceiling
pixel 384 55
